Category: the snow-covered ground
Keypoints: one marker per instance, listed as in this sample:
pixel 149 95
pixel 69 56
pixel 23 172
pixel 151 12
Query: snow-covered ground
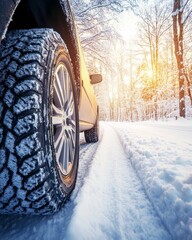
pixel 136 183
pixel 161 155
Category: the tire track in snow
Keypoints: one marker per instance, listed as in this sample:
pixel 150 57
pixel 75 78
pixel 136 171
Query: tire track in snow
pixel 143 187
pixel 112 203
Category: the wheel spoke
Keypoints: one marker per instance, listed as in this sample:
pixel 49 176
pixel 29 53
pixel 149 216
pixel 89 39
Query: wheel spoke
pixel 57 110
pixel 62 157
pixel 66 155
pixel 64 120
pixel 73 124
pixel 70 106
pixel 66 83
pixel 59 90
pixel 58 136
pixel 72 136
pixel 57 94
pixel 60 148
pixel 57 120
pixel 57 117
pixel 63 84
pixel 71 110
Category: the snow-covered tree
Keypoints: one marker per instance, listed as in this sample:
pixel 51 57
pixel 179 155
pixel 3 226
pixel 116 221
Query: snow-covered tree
pixel 180 17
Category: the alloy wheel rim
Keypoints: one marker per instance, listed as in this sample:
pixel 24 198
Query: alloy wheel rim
pixel 64 120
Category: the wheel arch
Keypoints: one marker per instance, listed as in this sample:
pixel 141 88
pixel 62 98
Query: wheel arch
pixel 55 14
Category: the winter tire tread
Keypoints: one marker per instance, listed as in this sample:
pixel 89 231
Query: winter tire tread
pixel 25 168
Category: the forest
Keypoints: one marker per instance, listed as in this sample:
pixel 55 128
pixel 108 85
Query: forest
pixel 143 49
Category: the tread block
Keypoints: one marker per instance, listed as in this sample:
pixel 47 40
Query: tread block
pixel 31 164
pixel 13 202
pixel 31 57
pixel 17 181
pixel 2 89
pixel 4 176
pixel 20 45
pixel 10 142
pixel 12 67
pixel 16 55
pixel 5 62
pixel 10 81
pixel 31 69
pixel 27 103
pixel 28 145
pixel 12 163
pixel 10 43
pixel 6 52
pixel 24 39
pixel 33 181
pixel 38 193
pixel 40 203
pixel 2 157
pixel 21 194
pixel 26 124
pixel 1 109
pixel 19 210
pixel 27 85
pixel 7 195
pixel 8 98
pixel 25 204
pixel 1 134
pixel 8 119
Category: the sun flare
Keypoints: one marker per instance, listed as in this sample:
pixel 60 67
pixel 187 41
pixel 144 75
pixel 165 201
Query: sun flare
pixel 128 26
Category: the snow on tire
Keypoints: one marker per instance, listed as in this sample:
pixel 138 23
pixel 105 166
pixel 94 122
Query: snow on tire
pixel 38 123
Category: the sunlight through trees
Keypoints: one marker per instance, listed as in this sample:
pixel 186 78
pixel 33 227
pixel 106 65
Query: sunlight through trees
pixel 144 51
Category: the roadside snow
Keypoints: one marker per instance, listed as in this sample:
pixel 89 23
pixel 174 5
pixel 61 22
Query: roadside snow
pixel 161 154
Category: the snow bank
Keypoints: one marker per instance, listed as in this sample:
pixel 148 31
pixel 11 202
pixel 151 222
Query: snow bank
pixel 161 154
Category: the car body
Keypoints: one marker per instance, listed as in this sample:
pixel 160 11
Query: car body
pixel 46 99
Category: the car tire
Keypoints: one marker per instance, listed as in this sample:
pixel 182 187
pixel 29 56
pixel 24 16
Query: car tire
pixel 92 135
pixel 39 132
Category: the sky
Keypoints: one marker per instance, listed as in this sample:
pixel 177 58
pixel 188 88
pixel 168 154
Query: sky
pixel 127 23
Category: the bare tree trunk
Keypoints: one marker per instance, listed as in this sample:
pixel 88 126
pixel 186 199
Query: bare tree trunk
pixel 188 87
pixel 156 64
pixel 178 43
pixel 131 83
pixel 156 76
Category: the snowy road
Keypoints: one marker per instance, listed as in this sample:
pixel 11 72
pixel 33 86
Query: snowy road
pixel 124 189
